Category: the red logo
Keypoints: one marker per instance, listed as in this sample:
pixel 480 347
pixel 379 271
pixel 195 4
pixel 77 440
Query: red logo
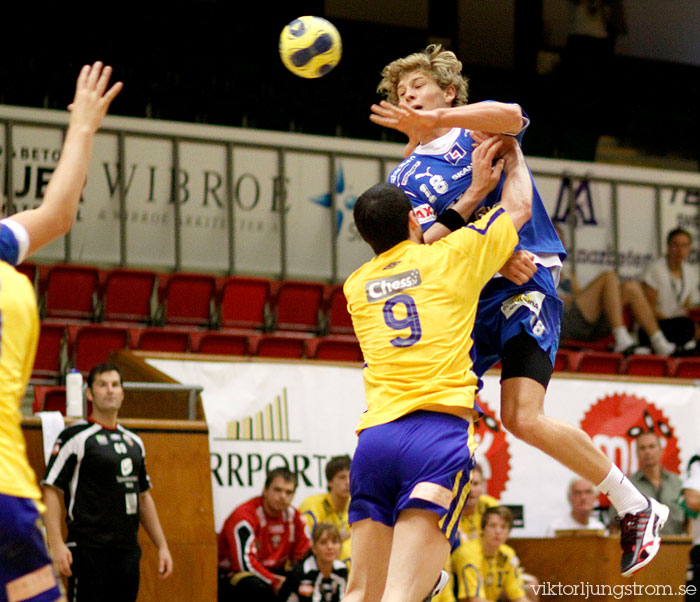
pixel 616 420
pixel 492 453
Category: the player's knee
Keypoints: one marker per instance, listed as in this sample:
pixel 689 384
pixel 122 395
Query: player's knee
pixel 521 424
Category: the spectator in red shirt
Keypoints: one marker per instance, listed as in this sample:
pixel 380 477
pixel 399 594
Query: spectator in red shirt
pixel 260 541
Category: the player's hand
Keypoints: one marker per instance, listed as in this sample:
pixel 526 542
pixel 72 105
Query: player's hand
pixel 485 173
pixel 415 124
pixel 520 267
pixel 63 558
pixel 92 99
pixel 277 582
pixel 165 563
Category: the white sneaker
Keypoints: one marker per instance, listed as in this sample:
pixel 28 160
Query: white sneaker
pixel 639 537
pixel 440 584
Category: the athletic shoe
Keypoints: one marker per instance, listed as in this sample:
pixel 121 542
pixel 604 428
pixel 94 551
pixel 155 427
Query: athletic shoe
pixel 439 585
pixel 639 536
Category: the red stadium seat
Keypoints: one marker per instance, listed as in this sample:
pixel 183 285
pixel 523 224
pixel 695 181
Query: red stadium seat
pixel 128 295
pixel 49 399
pixel 297 305
pixel 649 365
pixel 336 347
pixel 687 367
pixel 51 352
pixel 31 271
pixel 282 345
pixel 244 302
pixel 601 362
pixel 71 292
pixel 604 344
pixel 188 298
pixel 160 339
pixel 92 344
pixel 566 360
pixel 339 321
pixel 223 343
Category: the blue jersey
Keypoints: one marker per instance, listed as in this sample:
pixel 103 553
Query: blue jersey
pixel 9 245
pixel 437 173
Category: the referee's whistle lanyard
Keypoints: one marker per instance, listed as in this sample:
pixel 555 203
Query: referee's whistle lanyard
pixel 678 292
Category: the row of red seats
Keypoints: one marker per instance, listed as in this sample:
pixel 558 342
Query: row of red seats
pixel 121 295
pixel 84 345
pixel 608 362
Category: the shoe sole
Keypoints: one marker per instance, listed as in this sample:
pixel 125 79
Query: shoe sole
pixel 661 518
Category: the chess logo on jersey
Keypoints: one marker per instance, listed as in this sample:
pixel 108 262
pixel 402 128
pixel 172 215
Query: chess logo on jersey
pixel 381 288
pixel 454 155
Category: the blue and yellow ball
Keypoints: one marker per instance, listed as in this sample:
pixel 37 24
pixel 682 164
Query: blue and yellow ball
pixel 310 46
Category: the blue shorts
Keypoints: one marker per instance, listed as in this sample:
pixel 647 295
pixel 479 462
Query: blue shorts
pixel 26 572
pixel 421 460
pixel 507 309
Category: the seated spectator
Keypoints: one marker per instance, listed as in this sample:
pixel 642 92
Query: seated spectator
pixel 691 505
pixel 259 539
pixel 470 528
pixel 672 288
pixel 581 495
pixel 475 506
pixel 332 507
pixel 653 480
pixel 487 568
pixel 321 576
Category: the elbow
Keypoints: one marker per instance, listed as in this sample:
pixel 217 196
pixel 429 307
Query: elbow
pixel 515 118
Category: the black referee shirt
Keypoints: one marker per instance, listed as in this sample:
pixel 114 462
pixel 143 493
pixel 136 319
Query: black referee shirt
pixel 101 472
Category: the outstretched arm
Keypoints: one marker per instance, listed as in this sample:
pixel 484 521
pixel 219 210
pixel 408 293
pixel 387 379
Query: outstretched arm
pixel 485 177
pixel 150 521
pixel 495 117
pixel 54 217
pixel 516 197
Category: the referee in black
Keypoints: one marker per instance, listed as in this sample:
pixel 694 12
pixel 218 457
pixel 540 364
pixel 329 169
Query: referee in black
pixel 99 468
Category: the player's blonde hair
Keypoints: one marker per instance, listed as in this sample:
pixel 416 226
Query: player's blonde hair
pixel 440 64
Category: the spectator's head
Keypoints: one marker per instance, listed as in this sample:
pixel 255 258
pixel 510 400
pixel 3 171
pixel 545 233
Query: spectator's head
pixel 338 476
pixel 280 486
pixel 440 66
pixel 495 528
pixel 326 543
pixel 581 496
pixel 678 245
pixel 476 489
pixel 649 451
pixel 104 388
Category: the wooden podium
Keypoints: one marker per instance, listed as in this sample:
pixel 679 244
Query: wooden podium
pixel 595 560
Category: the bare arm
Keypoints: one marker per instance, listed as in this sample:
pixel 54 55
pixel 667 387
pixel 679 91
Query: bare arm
pixel 150 521
pixel 53 518
pixel 485 177
pixel 652 295
pixel 494 117
pixel 516 197
pixel 54 217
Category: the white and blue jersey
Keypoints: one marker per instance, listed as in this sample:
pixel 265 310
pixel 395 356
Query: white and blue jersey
pixel 433 177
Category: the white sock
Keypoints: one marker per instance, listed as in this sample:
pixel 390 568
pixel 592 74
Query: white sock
pixel 660 344
pixel 623 339
pixel 622 493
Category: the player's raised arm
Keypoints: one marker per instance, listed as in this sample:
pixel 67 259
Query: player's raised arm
pixel 486 173
pixel 54 217
pixel 495 117
pixel 516 198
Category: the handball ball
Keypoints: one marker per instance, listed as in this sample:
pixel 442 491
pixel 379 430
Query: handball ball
pixel 310 46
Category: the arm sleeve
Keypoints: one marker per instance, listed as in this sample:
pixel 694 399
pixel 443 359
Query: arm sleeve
pixel 650 277
pixel 466 571
pixel 485 245
pixel 241 539
pixel 62 463
pixel 14 241
pixel 301 543
pixel 513 582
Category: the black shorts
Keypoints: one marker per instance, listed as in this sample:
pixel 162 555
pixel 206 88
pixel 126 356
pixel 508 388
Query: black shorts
pixel 523 357
pixel 105 574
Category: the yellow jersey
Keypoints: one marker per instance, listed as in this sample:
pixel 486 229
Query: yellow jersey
pixel 19 334
pixel 413 309
pixel 487 577
pixel 319 508
pixel 470 525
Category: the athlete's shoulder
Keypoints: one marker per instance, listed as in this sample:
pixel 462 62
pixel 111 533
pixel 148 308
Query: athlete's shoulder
pixel 312 502
pixel 130 435
pixel 507 555
pixel 75 429
pixel 487 501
